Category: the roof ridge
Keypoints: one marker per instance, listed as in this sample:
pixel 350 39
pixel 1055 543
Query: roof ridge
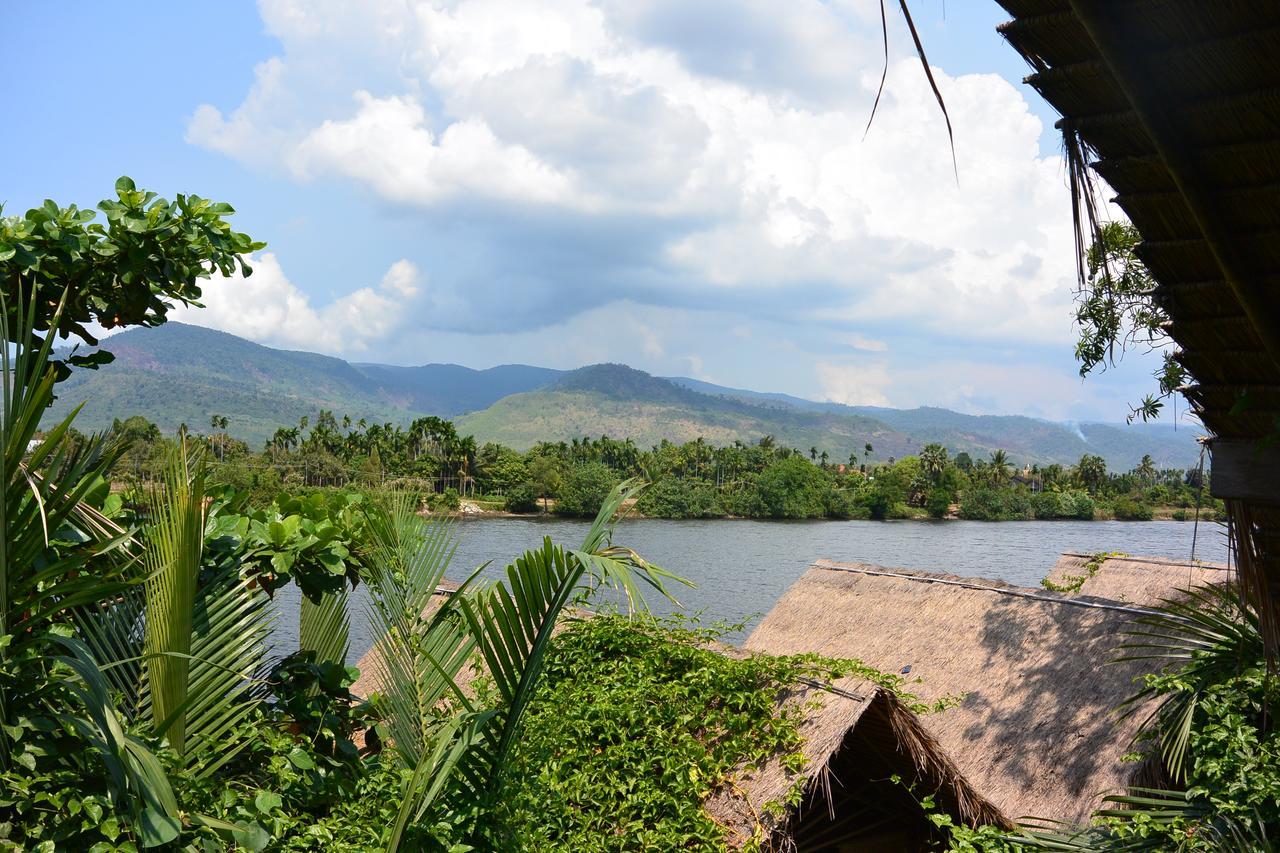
pixel 1091 602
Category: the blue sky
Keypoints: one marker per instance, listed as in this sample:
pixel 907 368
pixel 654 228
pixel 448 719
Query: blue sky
pixel 682 186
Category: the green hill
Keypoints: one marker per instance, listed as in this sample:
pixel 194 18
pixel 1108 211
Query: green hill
pixel 177 374
pixel 618 401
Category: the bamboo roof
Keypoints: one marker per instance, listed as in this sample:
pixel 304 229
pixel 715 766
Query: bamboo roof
pixel 1032 731
pixel 1176 105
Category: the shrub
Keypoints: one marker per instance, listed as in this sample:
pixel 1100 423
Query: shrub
pixel 446 501
pixel 937 503
pixel 674 498
pixel 522 497
pixel 1181 515
pixel 981 505
pixel 876 502
pixel 794 488
pixel 1077 504
pixel 1127 509
pixel 1045 505
pixel 584 489
pixel 992 505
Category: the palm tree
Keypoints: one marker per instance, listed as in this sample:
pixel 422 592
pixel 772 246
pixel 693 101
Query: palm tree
pixel 1146 470
pixel 933 459
pixel 509 624
pixel 813 454
pixel 998 469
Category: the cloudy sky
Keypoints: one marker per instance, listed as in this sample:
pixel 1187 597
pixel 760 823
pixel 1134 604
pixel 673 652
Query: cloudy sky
pixel 681 185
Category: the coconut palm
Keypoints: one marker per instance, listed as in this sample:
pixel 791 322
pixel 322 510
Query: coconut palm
pixel 462 756
pixel 61 559
pixel 933 459
pixel 998 467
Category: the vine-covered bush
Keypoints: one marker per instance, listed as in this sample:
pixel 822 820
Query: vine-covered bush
pixel 636 722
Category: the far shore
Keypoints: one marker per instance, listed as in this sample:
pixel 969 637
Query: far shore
pixel 472 510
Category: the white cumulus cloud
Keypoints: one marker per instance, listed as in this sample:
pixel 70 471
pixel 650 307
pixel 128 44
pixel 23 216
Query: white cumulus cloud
pixel 269 308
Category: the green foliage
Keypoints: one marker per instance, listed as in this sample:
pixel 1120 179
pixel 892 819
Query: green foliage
pixel 1074 583
pixel 308 539
pixel 636 722
pixel 447 501
pixel 522 498
pixel 1126 509
pixel 1069 504
pixel 987 504
pixel 584 489
pixel 793 488
pixel 674 498
pixel 938 503
pixel 150 253
pixel 314 695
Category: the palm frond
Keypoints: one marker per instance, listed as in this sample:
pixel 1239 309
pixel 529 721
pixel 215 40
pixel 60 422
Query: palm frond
pixel 174 547
pixel 513 622
pixel 1207 636
pixel 324 626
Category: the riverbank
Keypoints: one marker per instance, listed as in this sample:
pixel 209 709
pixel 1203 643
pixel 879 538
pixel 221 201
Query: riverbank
pixel 473 509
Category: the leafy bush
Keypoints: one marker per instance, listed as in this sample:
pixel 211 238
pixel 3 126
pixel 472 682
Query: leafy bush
pixel 635 723
pixel 676 498
pixel 522 498
pixel 793 488
pixel 937 503
pixel 447 501
pixel 876 500
pixel 1127 509
pixel 584 489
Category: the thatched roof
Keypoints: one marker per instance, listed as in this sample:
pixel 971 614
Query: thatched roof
pixel 1176 104
pixel 1144 581
pixel 856 734
pixel 1032 733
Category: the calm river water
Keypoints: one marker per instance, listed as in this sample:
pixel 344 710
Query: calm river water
pixel 742 567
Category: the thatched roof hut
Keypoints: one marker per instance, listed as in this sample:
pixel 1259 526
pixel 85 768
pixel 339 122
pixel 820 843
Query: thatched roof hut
pixel 857 736
pixel 1032 732
pixel 1176 105
pixel 1144 581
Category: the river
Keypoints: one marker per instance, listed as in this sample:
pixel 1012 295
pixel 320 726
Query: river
pixel 741 568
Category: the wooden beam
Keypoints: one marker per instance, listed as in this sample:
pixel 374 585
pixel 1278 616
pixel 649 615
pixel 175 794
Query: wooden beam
pixel 1244 470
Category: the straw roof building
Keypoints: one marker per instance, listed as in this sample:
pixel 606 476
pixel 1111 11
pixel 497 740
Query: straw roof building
pixel 1142 581
pixel 1032 732
pixel 1176 105
pixel 857 735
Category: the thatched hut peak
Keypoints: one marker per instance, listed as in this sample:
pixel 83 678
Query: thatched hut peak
pixel 1032 729
pixel 857 737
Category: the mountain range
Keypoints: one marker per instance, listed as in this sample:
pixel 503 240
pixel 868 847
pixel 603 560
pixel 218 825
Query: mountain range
pixel 176 374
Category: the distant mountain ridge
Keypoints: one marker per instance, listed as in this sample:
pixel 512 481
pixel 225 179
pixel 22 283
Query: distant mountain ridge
pixel 177 373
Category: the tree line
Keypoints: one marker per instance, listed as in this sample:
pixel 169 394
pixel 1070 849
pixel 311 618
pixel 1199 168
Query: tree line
pixel 696 479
